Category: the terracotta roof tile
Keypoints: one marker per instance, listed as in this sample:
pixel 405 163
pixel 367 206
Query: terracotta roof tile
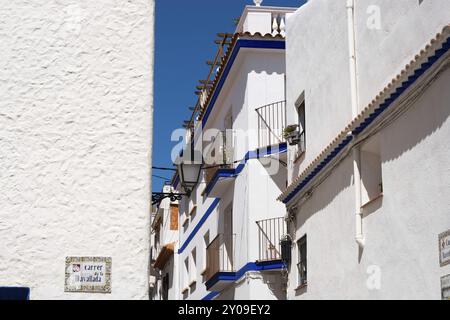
pixel 224 61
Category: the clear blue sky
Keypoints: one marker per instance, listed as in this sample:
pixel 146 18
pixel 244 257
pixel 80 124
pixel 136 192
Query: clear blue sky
pixel 185 34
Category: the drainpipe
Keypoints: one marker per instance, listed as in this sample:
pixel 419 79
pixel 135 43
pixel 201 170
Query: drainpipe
pixel 354 97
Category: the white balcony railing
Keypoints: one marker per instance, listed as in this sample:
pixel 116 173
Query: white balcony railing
pixel 264 20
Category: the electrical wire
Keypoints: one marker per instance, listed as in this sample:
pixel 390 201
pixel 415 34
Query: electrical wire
pixel 160 177
pixel 164 169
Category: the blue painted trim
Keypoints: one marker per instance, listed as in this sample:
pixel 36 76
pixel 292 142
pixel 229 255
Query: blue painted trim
pixel 256 44
pixel 176 182
pixel 199 225
pixel 210 296
pixel 282 148
pixel 371 118
pixel 232 173
pixel 14 293
pixel 221 173
pixel 252 266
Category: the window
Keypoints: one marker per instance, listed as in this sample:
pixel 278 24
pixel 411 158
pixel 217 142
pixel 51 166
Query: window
pixel 165 287
pixel 186 276
pixel 174 217
pixel 193 268
pixel 157 241
pixel 302 264
pixel 371 172
pixel 205 253
pixel 193 212
pixel 185 216
pixel 301 113
pixel 193 205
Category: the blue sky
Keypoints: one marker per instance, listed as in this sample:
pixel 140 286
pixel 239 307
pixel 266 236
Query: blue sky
pixel 185 34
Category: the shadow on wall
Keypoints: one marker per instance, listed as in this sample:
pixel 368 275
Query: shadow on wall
pixel 275 284
pixel 228 294
pixel 340 179
pixel 428 114
pixel 276 171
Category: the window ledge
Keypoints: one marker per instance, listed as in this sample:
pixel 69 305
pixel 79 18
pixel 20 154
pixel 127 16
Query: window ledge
pixel 193 282
pixel 193 210
pixel 372 201
pixel 298 156
pixel 302 286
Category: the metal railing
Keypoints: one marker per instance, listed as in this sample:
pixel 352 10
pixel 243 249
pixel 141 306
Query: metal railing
pixel 220 255
pixel 271 232
pixel 271 123
pixel 221 156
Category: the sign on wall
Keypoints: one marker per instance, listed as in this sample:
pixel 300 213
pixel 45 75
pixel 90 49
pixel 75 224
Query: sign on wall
pixel 445 285
pixel 88 274
pixel 444 248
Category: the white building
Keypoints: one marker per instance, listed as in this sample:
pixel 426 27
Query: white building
pixel 164 274
pixel 231 224
pixel 368 190
pixel 75 148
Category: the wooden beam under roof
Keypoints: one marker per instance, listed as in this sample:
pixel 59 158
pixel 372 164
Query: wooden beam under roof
pixel 210 63
pixel 225 35
pixel 206 82
pixel 222 41
pixel 203 87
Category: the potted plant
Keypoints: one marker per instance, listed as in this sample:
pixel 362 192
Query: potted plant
pixel 292 135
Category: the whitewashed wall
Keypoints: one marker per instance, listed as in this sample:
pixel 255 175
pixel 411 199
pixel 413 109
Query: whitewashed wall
pixel 75 142
pixel 402 227
pixel 257 79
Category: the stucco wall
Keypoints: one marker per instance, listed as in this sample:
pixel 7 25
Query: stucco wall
pixel 75 142
pixel 401 229
pixel 256 79
pixel 317 64
pixel 318 59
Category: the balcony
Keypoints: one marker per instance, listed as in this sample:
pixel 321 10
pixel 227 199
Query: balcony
pixel 161 255
pixel 220 262
pixel 271 231
pixel 219 159
pixel 271 124
pixel 264 20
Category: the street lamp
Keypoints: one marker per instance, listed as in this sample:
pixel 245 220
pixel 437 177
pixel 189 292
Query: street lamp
pixel 189 169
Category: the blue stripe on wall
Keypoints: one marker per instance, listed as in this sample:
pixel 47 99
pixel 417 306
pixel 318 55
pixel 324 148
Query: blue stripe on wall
pixel 256 44
pixel 251 266
pixel 211 296
pixel 282 148
pixel 231 173
pixel 199 225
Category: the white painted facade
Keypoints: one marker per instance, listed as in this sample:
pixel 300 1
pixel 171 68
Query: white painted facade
pixel 75 139
pixel 401 226
pixel 164 269
pixel 232 207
